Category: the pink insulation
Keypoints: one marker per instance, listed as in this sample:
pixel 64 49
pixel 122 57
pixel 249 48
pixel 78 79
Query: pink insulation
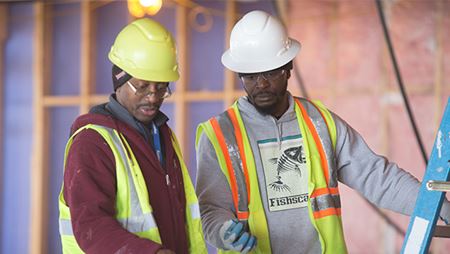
pixel 344 61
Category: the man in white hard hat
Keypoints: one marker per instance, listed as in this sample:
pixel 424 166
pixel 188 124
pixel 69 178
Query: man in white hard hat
pixel 126 187
pixel 269 166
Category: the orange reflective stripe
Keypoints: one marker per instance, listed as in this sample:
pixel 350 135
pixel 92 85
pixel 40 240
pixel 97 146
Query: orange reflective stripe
pixel 325 191
pixel 242 215
pixel 240 143
pixel 223 146
pixel 327 212
pixel 313 131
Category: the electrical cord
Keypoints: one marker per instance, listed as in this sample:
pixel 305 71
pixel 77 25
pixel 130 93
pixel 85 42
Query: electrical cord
pixel 386 218
pixel 400 82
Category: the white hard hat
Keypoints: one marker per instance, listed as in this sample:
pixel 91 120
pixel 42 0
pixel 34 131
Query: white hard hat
pixel 259 43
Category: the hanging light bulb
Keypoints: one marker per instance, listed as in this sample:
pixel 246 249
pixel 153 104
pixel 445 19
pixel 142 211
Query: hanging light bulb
pixel 138 8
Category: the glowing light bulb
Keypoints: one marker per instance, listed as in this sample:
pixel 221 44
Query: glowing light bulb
pixel 147 3
pixel 138 8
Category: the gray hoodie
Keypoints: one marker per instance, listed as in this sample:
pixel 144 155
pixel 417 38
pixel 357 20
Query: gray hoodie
pixel 290 229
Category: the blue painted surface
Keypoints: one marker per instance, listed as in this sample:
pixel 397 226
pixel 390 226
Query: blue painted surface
pixel 267 6
pixel 198 112
pixel 61 121
pixel 167 17
pixel 111 18
pixel 429 203
pixel 169 109
pixel 206 48
pixel 66 49
pixel 18 129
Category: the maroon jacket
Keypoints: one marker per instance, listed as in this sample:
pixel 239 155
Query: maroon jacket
pixel 90 190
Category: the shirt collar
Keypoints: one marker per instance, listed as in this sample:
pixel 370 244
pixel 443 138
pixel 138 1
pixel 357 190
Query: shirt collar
pixel 122 114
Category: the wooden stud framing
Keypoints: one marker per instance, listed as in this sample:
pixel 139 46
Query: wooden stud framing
pixel 3 35
pixel 188 96
pixel 229 76
pixel 283 10
pixel 87 51
pixel 39 165
pixel 180 93
pixel 42 101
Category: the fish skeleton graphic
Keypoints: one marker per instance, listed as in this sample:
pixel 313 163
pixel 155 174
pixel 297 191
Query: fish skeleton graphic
pixel 289 160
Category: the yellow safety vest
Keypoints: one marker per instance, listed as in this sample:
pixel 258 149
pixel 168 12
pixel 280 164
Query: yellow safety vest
pixel 227 134
pixel 134 211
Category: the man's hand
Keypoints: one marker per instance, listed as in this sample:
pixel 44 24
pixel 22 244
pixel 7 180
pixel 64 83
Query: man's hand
pixel 165 251
pixel 235 238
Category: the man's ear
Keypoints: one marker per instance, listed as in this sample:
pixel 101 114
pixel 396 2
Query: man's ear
pixel 288 74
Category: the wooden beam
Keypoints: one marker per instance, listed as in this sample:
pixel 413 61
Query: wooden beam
pixel 99 4
pixel 283 11
pixel 195 96
pixel 180 104
pixel 39 164
pixel 3 35
pixel 188 96
pixel 211 95
pixel 86 63
pixel 98 99
pixel 229 76
pixel 61 101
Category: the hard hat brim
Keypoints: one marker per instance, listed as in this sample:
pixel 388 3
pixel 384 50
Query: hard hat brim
pixel 144 74
pixel 257 65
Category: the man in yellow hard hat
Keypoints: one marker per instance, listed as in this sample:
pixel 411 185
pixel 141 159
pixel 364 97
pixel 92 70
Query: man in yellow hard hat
pixel 126 187
pixel 269 166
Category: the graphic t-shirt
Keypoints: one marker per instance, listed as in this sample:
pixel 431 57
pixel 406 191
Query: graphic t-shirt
pixel 285 172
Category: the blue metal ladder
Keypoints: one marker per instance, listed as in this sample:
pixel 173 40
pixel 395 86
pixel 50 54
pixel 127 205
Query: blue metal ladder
pixel 422 226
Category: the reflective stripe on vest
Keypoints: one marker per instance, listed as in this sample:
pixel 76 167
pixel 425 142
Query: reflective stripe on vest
pixel 133 207
pixel 324 201
pixel 138 221
pixel 324 195
pixel 228 133
pixel 236 167
pixel 256 217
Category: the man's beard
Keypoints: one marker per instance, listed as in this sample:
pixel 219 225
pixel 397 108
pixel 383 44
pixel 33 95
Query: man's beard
pixel 269 109
pixel 265 110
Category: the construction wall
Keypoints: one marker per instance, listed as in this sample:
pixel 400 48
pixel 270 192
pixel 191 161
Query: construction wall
pixel 17 131
pixel 55 67
pixel 345 62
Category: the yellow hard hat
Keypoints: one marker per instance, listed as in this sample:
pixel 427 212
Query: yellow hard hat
pixel 146 50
